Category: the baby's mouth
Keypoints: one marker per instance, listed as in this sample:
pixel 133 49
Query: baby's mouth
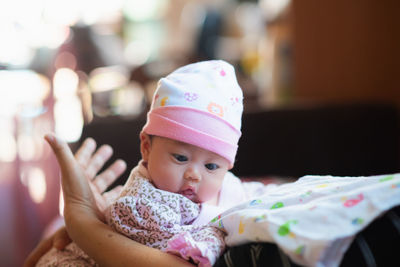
pixel 189 193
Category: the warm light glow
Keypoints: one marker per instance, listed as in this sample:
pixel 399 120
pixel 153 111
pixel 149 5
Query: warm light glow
pixel 100 11
pixel 45 86
pixel 68 108
pixel 139 10
pixel 23 29
pixel 26 147
pixel 68 119
pixel 87 12
pixel 107 78
pixel 14 49
pixel 8 146
pixel 48 35
pixel 137 53
pixel 272 8
pixel 61 12
pixel 22 88
pixel 65 83
pixel 129 100
pixel 26 25
pixel 37 184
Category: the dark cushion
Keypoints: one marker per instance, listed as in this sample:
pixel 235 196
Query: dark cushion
pixel 352 140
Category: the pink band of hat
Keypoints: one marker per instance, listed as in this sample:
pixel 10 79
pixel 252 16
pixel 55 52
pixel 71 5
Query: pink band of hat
pixel 194 127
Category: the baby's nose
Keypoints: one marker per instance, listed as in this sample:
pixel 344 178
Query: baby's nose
pixel 192 173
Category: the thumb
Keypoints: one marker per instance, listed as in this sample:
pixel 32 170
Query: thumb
pixel 72 178
pixel 60 148
pixel 76 189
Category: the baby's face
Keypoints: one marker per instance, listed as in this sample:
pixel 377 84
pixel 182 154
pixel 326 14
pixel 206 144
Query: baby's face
pixel 182 168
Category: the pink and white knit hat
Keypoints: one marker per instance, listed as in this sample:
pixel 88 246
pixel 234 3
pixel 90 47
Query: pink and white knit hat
pixel 200 104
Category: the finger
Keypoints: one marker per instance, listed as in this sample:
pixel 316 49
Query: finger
pixel 85 152
pixel 61 150
pixel 61 239
pixel 106 178
pixel 117 190
pixel 110 196
pixel 41 249
pixel 98 160
pixel 73 181
pixel 78 197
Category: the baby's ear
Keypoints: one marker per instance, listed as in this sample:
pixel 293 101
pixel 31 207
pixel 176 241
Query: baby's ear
pixel 145 145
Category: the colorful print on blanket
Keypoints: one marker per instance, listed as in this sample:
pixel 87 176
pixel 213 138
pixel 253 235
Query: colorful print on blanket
pixel 314 219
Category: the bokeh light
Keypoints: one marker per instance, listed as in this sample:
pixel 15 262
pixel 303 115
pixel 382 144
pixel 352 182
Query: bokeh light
pixel 37 184
pixel 8 146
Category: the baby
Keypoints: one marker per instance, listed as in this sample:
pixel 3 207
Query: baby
pixel 188 145
pixel 182 182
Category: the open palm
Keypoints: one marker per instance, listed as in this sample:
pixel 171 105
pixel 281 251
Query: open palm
pixel 91 162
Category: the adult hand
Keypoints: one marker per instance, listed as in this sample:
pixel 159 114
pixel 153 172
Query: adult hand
pixel 79 200
pixel 91 161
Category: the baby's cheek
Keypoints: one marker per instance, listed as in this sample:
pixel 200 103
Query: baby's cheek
pixel 210 190
pixel 168 185
pixel 166 179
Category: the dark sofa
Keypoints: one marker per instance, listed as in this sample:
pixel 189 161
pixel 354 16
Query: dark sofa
pixel 342 140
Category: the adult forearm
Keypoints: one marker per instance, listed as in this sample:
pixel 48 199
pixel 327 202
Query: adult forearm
pixel 109 248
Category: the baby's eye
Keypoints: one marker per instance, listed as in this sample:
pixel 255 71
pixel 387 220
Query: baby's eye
pixel 180 158
pixel 212 166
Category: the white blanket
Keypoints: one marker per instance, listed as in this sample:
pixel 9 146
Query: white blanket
pixel 314 219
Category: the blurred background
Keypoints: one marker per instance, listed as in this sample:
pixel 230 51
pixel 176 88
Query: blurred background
pixel 65 64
